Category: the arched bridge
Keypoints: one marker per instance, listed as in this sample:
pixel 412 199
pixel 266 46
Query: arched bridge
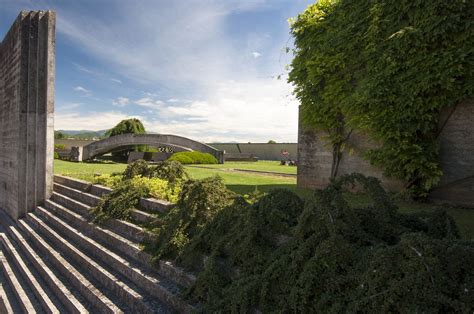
pixel 180 143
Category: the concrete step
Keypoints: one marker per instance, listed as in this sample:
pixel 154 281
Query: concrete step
pixel 47 303
pixel 83 197
pixel 91 200
pixel 121 288
pixel 24 297
pixel 76 279
pixel 126 229
pixel 154 285
pixel 150 205
pixel 8 303
pixel 121 245
pixel 62 292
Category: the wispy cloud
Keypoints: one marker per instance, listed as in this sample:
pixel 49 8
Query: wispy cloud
pixel 149 103
pixel 256 54
pixel 82 90
pixel 121 101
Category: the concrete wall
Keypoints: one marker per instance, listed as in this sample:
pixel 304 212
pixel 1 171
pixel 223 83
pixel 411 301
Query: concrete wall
pixel 27 61
pixel 456 158
pixel 457 155
pixel 263 151
pixel 315 160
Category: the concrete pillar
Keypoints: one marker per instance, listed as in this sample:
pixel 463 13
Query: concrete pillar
pixel 27 66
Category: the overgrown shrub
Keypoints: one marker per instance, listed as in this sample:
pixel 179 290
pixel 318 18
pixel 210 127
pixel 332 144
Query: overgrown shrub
pixel 126 195
pixel 108 180
pixel 137 168
pixel 195 157
pixel 169 170
pixel 199 202
pixel 279 255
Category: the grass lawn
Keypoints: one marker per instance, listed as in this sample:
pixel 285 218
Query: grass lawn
pixel 243 183
pixel 261 165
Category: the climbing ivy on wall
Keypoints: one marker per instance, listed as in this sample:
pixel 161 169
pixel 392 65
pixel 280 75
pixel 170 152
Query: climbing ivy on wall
pixel 385 68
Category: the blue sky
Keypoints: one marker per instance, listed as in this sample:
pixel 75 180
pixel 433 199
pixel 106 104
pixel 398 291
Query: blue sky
pixel 203 69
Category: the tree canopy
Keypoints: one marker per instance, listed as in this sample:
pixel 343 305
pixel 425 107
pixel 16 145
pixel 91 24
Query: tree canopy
pixel 128 126
pixel 385 68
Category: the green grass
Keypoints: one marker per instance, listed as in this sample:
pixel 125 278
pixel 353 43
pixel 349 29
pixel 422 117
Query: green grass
pixel 85 170
pixel 262 165
pixel 244 183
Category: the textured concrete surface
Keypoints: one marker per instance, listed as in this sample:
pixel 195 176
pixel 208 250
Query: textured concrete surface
pixel 178 142
pixel 315 160
pixel 456 139
pixel 27 65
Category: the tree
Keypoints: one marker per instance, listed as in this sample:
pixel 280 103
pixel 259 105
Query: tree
pixel 386 69
pixel 58 135
pixel 271 142
pixel 128 126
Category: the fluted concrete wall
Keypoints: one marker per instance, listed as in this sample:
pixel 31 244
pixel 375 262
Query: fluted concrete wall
pixel 27 61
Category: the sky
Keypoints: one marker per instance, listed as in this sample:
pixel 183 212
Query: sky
pixel 204 69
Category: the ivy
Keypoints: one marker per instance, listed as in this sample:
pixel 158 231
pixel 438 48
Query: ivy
pixel 385 69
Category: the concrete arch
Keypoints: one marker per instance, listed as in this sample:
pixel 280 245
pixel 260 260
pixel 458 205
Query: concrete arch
pixel 182 143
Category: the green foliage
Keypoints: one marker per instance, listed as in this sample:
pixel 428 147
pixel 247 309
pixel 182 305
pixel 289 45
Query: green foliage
pixel 59 147
pixel 280 255
pixel 271 142
pixel 126 195
pixel 386 69
pixel 59 135
pixel 109 180
pixel 128 126
pixel 199 202
pixel 137 168
pixel 194 157
pixel 56 155
pixel 169 170
pixel 120 202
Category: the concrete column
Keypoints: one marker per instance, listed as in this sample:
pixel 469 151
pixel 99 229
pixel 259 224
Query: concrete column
pixel 27 58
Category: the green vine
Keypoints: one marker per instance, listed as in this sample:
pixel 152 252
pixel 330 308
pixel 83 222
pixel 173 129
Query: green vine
pixel 385 69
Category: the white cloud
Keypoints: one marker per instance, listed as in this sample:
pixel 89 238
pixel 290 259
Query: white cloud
pixel 149 103
pixel 121 101
pixel 256 54
pixel 116 80
pixel 90 121
pixel 82 90
pixel 256 110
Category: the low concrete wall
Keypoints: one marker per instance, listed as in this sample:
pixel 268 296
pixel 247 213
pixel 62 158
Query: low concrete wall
pixel 263 151
pixel 27 64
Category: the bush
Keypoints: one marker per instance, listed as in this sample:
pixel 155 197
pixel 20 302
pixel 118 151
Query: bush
pixel 199 202
pixel 108 180
pixel 187 158
pixel 279 255
pixel 59 147
pixel 169 170
pixel 137 168
pixel 126 195
pixel 56 155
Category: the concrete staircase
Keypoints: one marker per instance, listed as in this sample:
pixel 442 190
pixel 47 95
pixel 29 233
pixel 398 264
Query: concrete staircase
pixel 55 260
